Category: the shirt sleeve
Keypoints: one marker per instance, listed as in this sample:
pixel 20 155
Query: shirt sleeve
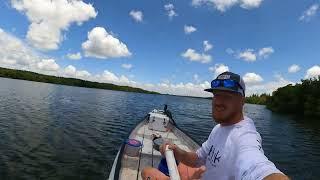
pixel 251 163
pixel 203 151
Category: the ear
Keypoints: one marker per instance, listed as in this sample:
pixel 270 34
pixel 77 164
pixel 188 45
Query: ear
pixel 243 100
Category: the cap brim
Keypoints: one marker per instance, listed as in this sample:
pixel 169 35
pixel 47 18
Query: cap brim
pixel 212 90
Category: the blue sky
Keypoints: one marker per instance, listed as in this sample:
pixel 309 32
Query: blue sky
pixel 147 43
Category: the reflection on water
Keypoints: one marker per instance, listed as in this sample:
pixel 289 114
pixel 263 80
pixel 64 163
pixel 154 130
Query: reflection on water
pixel 60 132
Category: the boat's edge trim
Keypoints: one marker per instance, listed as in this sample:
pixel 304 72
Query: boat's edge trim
pixel 118 158
pixel 114 173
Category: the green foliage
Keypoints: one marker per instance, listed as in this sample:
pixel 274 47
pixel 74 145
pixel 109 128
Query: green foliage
pixel 31 76
pixel 257 99
pixel 300 99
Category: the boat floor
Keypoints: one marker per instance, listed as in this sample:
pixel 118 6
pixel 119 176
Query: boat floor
pixel 149 156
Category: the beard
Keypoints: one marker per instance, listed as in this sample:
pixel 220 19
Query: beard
pixel 222 114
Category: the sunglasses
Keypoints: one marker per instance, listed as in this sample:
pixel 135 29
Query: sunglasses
pixel 228 83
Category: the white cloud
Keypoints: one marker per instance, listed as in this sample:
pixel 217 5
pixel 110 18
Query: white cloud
pixel 101 44
pixel 265 52
pixel 189 29
pixel 312 72
pixel 223 5
pixel 48 65
pixel 109 77
pixel 170 10
pixel 251 55
pixel 136 15
pixel 230 51
pixel 83 74
pixel 49 18
pixel 309 13
pixel 207 46
pixel 126 66
pixel 184 89
pixel 75 56
pixel 192 55
pixel 15 54
pixel 248 55
pixel 293 68
pixel 252 78
pixel 267 87
pixel 250 4
pixel 71 71
pixel 218 69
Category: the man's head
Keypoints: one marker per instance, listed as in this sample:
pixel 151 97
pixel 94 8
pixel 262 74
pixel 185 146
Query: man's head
pixel 228 98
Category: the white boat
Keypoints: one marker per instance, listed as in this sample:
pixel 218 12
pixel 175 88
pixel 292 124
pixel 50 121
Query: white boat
pixel 141 148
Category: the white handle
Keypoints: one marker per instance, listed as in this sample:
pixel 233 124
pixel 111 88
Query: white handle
pixel 172 165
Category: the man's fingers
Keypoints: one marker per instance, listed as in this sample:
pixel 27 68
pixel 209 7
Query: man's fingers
pixel 199 172
pixel 163 147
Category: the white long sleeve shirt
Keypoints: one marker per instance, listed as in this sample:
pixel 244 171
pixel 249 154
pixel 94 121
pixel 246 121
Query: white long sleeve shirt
pixel 235 152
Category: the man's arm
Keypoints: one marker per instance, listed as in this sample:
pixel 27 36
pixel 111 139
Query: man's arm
pixel 251 163
pixel 276 176
pixel 188 158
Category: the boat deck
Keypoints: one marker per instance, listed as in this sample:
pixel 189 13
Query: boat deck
pixel 149 156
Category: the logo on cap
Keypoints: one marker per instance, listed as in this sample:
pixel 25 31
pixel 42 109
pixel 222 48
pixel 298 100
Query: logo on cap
pixel 224 76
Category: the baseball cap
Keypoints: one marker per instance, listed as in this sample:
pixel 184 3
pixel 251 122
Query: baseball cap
pixel 228 81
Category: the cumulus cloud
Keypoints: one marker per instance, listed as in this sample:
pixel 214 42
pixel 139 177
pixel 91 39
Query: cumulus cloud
pixel 309 13
pixel 267 87
pixel 126 66
pixel 265 52
pixel 218 69
pixel 101 44
pixel 136 15
pixel 248 55
pixel 15 54
pixel 170 10
pixel 252 78
pixel 75 56
pixel 71 71
pixel 48 65
pixel 189 29
pixel 251 55
pixel 223 5
pixel 312 72
pixel 50 18
pixel 182 89
pixel 230 51
pixel 192 55
pixel 207 46
pixel 293 68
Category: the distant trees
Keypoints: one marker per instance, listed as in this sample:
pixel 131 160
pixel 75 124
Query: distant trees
pixel 31 76
pixel 257 99
pixel 301 99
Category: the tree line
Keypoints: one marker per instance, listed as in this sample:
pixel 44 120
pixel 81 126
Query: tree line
pixel 299 99
pixel 32 76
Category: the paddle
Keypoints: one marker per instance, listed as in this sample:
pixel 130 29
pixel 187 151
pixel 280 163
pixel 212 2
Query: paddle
pixel 171 163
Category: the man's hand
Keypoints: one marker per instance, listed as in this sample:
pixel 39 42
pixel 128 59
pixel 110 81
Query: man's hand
pixel 188 158
pixel 199 173
pixel 176 150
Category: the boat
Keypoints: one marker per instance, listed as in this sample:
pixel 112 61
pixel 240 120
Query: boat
pixel 141 149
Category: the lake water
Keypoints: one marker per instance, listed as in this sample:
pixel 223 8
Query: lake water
pixel 60 132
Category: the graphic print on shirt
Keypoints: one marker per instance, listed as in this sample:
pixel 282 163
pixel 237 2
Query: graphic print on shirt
pixel 214 156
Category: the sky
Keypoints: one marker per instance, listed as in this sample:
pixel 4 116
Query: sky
pixel 172 47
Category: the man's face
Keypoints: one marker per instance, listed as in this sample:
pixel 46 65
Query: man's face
pixel 226 105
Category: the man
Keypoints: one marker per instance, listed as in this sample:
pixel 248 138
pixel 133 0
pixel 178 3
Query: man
pixel 233 149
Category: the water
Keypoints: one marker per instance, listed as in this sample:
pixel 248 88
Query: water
pixel 60 132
